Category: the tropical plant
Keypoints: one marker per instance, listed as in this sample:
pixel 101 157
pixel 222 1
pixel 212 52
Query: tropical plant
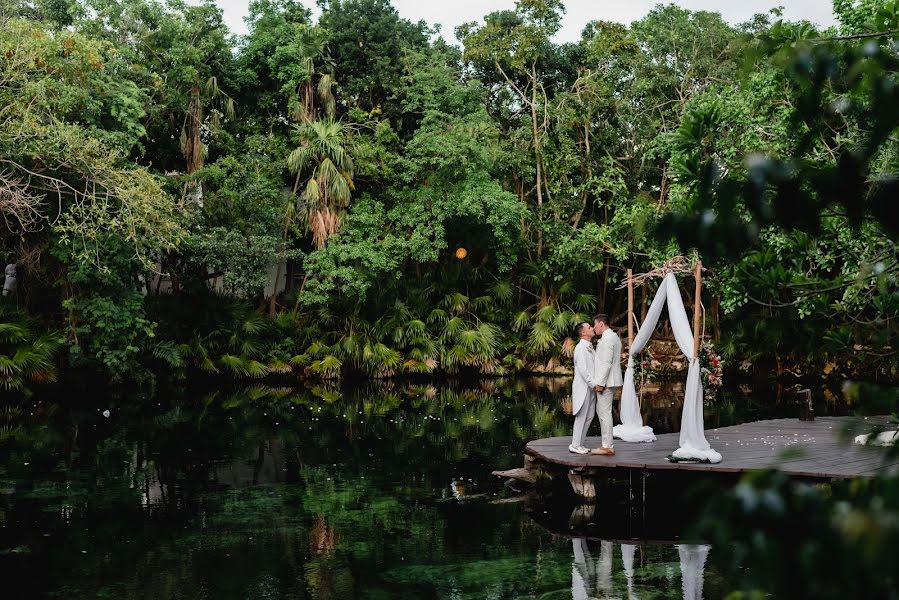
pixel 27 358
pixel 323 161
pixel 218 334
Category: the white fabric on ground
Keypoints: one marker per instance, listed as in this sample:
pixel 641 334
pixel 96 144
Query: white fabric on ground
pixel 693 444
pixel 692 569
pixel 631 428
pixel 884 438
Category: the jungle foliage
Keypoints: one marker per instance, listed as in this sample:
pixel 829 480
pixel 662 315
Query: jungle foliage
pixel 359 156
pixel 457 210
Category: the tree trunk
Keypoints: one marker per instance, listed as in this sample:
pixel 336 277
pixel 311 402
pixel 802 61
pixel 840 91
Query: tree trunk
pixel 296 305
pixel 605 283
pixel 273 301
pixel 643 308
pixel 539 167
pixel 589 170
pixel 193 152
pixel 535 134
pixel 159 278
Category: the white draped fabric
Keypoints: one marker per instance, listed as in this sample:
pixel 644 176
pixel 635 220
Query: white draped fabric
pixel 632 428
pixel 692 569
pixel 884 438
pixel 693 444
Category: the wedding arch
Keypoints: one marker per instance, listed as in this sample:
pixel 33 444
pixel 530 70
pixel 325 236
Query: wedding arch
pixel 693 444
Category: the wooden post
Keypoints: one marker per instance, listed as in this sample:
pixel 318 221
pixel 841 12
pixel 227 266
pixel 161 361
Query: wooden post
pixel 582 484
pixel 630 309
pixel 697 301
pixel 806 408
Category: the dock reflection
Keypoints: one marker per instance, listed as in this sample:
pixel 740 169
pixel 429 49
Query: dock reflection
pixel 616 553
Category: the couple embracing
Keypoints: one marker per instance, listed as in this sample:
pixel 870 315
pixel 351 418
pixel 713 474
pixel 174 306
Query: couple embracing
pixel 597 372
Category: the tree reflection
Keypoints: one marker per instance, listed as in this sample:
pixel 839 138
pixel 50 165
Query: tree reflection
pixel 275 492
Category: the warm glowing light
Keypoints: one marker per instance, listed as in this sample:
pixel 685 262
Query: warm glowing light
pixel 461 253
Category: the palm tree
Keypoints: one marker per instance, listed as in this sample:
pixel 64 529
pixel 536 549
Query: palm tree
pixel 191 141
pixel 314 60
pixel 323 160
pixel 25 357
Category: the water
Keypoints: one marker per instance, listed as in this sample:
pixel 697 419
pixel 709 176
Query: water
pixel 375 492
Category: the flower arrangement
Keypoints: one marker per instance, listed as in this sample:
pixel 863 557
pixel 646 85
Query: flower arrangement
pixel 712 370
pixel 643 370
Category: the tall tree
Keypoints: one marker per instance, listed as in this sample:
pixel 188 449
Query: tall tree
pixel 324 160
pixel 367 40
pixel 186 53
pixel 515 45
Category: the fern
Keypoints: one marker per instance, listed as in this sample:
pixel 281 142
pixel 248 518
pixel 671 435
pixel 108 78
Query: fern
pixel 168 352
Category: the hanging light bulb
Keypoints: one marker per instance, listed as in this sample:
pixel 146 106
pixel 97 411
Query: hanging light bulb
pixel 461 253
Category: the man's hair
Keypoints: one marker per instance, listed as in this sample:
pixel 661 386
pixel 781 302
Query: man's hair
pixel 580 327
pixel 602 318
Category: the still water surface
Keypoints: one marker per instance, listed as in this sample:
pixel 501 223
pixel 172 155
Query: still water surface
pixel 373 492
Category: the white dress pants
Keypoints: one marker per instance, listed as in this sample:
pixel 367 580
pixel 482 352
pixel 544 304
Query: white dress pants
pixel 593 405
pixel 582 420
pixel 604 411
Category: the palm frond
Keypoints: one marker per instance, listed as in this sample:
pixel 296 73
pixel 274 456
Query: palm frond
pixel 541 337
pixel 13 333
pixel 234 364
pixel 255 369
pixel 521 320
pixel 503 292
pixel 546 314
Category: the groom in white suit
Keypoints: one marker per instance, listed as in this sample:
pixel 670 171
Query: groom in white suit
pixel 607 377
pixel 583 387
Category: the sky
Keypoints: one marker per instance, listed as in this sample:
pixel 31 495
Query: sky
pixel 450 13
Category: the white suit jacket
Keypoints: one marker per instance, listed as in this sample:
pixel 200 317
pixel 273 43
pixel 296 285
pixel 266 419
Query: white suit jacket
pixel 584 378
pixel 608 360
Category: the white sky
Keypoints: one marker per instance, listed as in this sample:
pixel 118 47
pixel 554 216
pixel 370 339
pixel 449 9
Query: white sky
pixel 450 13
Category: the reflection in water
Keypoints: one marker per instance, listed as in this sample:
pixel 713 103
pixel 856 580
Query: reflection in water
pixel 593 577
pixel 627 545
pixel 379 491
pixel 590 577
pixel 627 557
pixel 692 567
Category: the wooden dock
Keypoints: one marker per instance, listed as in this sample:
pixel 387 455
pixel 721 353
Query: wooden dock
pixel 817 449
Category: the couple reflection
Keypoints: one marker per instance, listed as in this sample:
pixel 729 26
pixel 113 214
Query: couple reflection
pixel 592 577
